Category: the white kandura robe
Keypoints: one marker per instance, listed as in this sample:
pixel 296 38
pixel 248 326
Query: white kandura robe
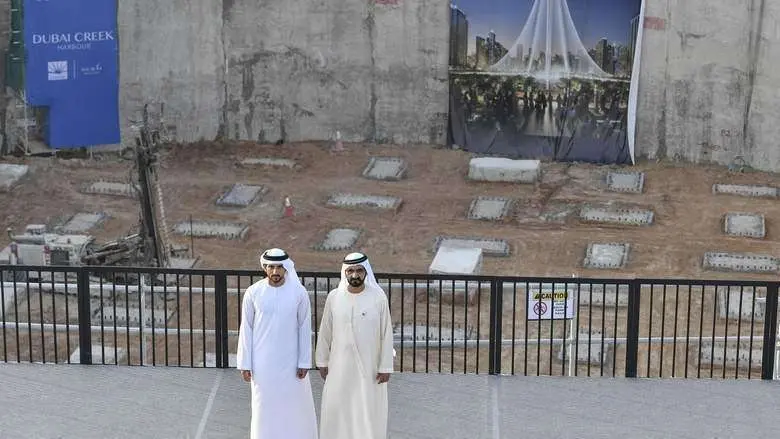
pixel 273 342
pixel 355 343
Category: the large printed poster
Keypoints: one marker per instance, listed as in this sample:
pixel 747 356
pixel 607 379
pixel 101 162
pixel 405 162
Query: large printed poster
pixel 543 78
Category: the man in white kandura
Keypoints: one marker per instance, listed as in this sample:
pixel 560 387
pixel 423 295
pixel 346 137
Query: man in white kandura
pixel 274 352
pixel 355 355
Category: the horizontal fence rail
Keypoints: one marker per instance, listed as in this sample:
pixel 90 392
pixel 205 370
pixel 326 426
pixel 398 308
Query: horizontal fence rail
pixel 441 323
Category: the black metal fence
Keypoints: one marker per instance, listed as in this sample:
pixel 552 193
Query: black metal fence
pixel 442 323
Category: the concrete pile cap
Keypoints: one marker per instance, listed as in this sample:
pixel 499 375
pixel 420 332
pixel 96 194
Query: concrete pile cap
pixel 626 181
pixel 489 208
pixel 741 262
pixel 339 239
pixel 606 255
pixel 270 161
pixel 10 174
pixel 364 201
pixel 751 225
pixel 745 190
pixel 498 169
pixel 453 260
pixel 385 168
pixel 110 188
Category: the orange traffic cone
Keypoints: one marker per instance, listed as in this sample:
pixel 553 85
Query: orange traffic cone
pixel 289 210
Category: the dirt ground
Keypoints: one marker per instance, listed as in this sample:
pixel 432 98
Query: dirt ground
pixel 436 197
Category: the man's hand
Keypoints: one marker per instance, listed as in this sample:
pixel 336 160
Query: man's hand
pixel 324 372
pixel 247 375
pixel 301 374
pixel 382 378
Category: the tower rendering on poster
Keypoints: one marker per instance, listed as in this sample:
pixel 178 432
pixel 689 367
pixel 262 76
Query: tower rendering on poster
pixel 545 79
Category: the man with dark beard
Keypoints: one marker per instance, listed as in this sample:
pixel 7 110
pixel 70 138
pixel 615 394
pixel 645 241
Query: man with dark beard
pixel 355 355
pixel 274 351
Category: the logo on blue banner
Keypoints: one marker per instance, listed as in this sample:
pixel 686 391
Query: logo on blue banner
pixel 72 68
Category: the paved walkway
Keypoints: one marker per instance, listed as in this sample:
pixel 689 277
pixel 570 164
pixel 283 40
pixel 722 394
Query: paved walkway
pixel 109 402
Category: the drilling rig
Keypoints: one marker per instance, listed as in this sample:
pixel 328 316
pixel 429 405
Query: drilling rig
pixel 148 247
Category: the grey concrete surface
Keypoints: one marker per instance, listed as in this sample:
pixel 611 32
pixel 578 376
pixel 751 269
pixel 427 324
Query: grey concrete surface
pixel 90 402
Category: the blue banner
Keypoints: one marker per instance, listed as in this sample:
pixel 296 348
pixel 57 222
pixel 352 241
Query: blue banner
pixel 71 67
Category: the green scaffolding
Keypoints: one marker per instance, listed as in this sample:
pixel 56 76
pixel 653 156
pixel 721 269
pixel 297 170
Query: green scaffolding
pixel 14 56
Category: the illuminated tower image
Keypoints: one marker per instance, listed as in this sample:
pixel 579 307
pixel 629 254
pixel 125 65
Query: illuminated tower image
pixel 549 47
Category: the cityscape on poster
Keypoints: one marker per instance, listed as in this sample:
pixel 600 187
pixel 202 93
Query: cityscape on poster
pixel 543 78
pixel 551 302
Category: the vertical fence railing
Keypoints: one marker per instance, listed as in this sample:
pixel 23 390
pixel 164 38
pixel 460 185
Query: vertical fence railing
pixel 441 323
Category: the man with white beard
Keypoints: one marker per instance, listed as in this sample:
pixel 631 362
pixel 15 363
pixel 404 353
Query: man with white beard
pixel 274 352
pixel 355 355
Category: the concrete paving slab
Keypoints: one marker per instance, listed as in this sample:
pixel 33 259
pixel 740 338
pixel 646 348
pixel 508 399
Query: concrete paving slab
pixel 741 262
pixel 746 190
pixel 490 208
pixel 83 221
pixel 37 402
pixel 608 255
pixel 208 229
pixel 497 169
pixel 338 239
pixel 750 225
pixel 110 357
pixel 115 188
pixel 241 195
pixel 270 161
pixel 385 168
pixel 624 181
pixel 489 246
pixel 359 201
pixel 631 217
pixel 453 260
pixel 10 174
pixel 741 303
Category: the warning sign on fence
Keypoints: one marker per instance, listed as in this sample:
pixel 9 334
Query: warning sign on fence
pixel 550 302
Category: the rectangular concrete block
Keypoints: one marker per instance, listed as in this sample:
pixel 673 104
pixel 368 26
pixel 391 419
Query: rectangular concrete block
pixel 269 161
pixel 585 350
pixel 626 181
pixel 606 256
pixel 490 208
pixel 206 229
pixel 339 239
pixel 748 225
pixel 745 190
pixel 631 217
pixel 241 195
pixel 83 221
pixel 432 333
pixel 115 188
pixel 359 201
pixel 741 262
pixel 489 246
pixel 385 168
pixel 728 353
pixel 130 317
pixel 497 169
pixel 740 303
pixel 10 174
pixel 449 260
